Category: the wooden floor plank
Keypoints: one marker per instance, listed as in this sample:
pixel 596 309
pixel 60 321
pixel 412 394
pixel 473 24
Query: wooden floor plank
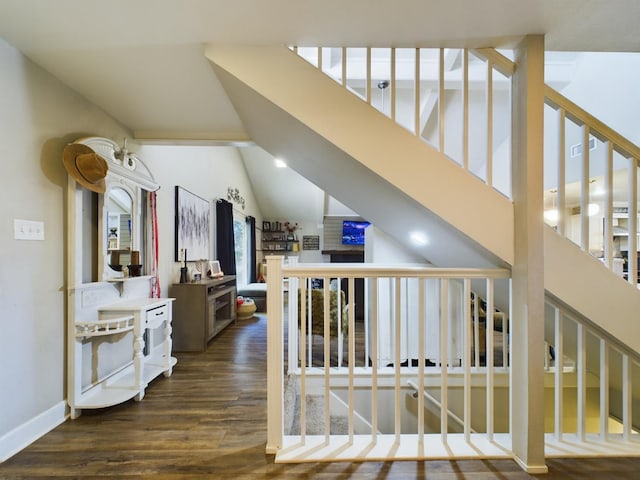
pixel 208 421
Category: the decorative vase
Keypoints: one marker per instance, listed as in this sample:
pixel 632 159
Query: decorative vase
pixel 183 275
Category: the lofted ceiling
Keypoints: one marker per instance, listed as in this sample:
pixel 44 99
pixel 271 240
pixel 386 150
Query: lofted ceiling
pixel 143 61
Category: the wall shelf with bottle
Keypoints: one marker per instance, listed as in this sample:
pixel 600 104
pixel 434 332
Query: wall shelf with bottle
pixel 279 237
pixel 279 242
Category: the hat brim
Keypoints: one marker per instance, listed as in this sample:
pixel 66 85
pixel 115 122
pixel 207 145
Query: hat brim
pixel 71 151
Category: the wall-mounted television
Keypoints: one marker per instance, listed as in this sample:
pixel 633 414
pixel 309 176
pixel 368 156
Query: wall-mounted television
pixel 353 232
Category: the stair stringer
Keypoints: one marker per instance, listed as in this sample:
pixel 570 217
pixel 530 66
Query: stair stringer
pixel 392 178
pixel 581 282
pixel 360 157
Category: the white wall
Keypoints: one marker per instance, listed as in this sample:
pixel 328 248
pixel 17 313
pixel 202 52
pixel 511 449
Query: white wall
pixel 204 171
pixel 39 116
pixel 310 228
pixel 606 85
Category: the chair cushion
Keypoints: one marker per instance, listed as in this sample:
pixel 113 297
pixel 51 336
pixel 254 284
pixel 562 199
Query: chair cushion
pixel 253 290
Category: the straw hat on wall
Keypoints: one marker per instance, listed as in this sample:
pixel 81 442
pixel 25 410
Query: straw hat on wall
pixel 87 167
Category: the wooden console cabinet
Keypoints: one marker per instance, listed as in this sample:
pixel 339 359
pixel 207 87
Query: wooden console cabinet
pixel 201 310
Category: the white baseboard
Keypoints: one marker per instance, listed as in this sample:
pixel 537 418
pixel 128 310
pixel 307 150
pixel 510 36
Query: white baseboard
pixel 531 469
pixel 27 433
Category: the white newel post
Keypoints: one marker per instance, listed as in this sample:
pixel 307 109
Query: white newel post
pixel 527 334
pixel 275 364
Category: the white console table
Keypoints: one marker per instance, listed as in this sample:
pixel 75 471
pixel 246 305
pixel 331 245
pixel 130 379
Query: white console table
pixel 146 362
pixel 118 339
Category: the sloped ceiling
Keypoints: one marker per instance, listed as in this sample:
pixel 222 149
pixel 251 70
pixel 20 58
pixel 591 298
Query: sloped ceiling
pixel 142 61
pixel 282 193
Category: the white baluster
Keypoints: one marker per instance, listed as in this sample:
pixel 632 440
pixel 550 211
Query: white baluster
pixel 559 373
pixel 604 390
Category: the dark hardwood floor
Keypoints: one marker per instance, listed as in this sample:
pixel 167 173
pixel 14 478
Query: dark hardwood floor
pixel 208 420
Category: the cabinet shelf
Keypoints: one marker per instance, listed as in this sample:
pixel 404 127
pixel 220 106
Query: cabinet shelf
pixel 280 249
pixel 202 309
pixel 221 304
pixel 279 241
pixel 121 386
pixel 280 246
pixel 140 360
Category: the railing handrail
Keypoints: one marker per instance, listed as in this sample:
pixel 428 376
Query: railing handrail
pixel 356 270
pixel 607 344
pixel 483 158
pixel 503 64
pixel 612 342
pixel 604 133
pixel 614 142
pixel 430 398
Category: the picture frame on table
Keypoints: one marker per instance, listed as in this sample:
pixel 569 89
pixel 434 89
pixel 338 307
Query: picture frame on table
pixel 192 226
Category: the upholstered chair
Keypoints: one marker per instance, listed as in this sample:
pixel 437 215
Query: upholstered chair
pixel 317 312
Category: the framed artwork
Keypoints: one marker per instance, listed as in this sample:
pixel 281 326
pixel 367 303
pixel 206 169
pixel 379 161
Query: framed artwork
pixel 193 219
pixel 311 242
pixel 266 226
pixel 214 269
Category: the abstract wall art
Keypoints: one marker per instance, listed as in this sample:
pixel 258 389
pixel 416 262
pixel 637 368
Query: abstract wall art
pixel 193 220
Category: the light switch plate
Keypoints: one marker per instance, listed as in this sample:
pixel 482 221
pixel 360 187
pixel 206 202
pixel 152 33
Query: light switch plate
pixel 28 230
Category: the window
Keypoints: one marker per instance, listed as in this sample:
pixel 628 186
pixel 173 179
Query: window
pixel 241 250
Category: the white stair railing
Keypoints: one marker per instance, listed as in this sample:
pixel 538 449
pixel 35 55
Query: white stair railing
pixel 591 192
pixel 605 378
pixel 591 187
pixel 459 101
pixel 417 328
pixel 447 97
pixel 405 348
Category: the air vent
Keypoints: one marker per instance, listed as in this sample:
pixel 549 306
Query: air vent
pixel 576 150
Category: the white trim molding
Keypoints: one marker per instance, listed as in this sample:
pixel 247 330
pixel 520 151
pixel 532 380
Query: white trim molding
pixel 27 433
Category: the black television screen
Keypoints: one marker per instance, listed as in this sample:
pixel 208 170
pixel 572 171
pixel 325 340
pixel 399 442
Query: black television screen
pixel 353 232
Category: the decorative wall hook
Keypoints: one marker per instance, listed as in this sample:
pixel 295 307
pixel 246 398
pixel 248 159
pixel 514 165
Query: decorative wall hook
pixel 125 157
pixel 233 194
pixel 121 153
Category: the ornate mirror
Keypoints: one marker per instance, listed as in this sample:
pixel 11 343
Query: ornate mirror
pixel 121 245
pixel 108 325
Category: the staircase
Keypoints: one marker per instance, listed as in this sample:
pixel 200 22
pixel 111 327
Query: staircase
pixel 396 180
pixel 315 412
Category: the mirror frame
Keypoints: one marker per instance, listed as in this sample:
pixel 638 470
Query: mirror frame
pixel 129 172
pixel 135 194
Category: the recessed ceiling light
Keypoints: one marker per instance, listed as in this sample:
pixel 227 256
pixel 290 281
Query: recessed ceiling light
pixel 279 163
pixel 418 238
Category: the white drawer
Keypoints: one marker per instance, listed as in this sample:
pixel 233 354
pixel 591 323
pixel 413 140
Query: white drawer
pixel 157 315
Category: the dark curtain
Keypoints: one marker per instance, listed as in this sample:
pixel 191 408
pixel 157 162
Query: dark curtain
pixel 225 245
pixel 251 227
